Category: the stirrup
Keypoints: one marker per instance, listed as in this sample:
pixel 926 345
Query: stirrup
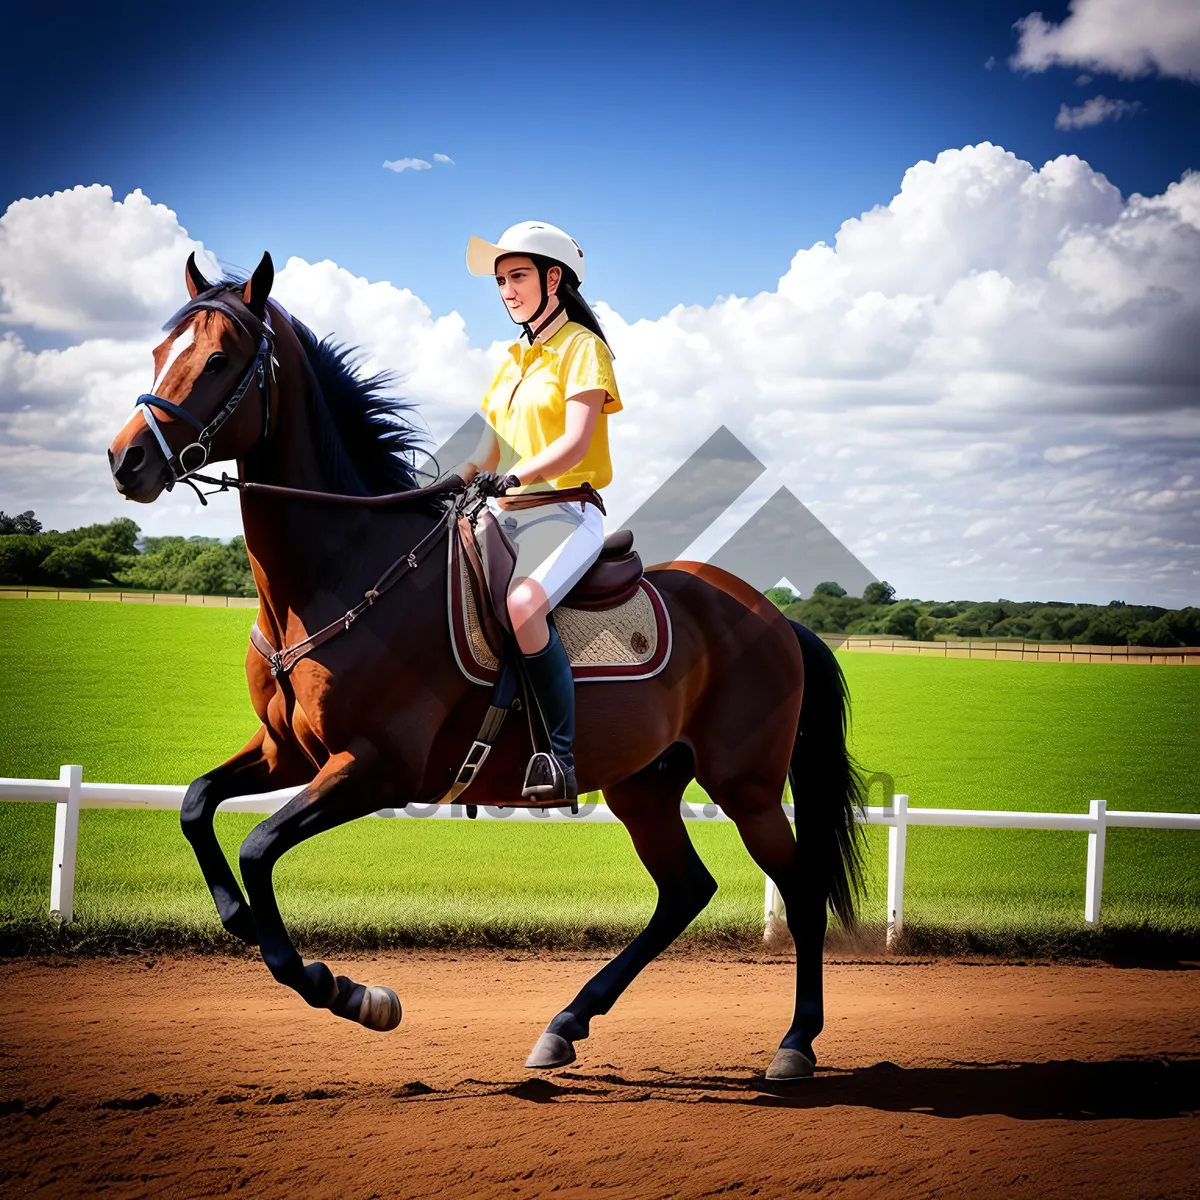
pixel 545 781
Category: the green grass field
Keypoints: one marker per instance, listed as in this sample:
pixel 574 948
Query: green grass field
pixel 157 695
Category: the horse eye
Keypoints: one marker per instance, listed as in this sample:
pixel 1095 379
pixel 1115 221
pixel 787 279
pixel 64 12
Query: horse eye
pixel 215 363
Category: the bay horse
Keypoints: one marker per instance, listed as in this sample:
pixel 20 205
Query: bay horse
pixel 381 716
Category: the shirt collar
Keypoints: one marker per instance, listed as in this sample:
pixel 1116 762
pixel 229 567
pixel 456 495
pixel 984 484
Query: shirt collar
pixel 521 349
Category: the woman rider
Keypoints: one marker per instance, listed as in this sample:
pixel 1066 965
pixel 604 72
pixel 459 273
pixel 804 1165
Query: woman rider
pixel 547 427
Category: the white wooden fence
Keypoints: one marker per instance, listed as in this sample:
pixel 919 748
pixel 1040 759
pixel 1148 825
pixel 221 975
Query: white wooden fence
pixel 70 794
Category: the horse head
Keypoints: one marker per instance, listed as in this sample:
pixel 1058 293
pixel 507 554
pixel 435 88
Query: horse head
pixel 217 351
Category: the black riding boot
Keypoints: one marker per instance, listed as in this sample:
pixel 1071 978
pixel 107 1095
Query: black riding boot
pixel 550 675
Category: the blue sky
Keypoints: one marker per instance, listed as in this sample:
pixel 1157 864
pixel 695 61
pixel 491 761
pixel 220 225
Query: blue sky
pixel 691 149
pixel 988 389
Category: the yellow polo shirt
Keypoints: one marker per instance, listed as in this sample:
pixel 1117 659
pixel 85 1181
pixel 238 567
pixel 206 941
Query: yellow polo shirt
pixel 526 403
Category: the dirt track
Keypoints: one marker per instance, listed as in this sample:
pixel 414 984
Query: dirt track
pixel 197 1077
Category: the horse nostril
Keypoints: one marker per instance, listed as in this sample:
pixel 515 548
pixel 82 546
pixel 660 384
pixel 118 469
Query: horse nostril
pixel 126 467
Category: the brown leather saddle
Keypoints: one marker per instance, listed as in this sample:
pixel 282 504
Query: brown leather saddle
pixel 491 557
pixel 478 541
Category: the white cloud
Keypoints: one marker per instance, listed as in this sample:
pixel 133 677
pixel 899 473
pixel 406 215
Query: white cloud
pixel 1093 112
pixel 1119 37
pixel 442 158
pixel 985 387
pixel 434 362
pixel 406 164
pixel 80 263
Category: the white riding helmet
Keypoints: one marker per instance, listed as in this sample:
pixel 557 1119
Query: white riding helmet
pixel 529 237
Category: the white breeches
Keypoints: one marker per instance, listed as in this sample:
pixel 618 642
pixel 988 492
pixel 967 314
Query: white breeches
pixel 556 543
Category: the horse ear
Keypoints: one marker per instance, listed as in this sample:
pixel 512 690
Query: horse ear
pixel 196 283
pixel 258 287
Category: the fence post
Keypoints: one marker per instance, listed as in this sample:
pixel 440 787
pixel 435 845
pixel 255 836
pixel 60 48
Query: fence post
pixel 66 840
pixel 1095 863
pixel 897 851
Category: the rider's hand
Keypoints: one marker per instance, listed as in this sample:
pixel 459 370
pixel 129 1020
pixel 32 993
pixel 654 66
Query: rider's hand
pixel 491 484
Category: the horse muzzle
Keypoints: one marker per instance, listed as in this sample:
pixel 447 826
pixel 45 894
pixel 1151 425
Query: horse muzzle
pixel 138 472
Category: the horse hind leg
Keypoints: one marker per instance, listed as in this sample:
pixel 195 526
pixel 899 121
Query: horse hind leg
pixel 798 875
pixel 343 790
pixel 648 805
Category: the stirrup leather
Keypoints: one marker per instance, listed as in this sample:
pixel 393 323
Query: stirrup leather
pixel 480 748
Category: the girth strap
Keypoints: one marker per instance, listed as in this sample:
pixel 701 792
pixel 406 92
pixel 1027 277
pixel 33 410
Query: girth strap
pixel 493 719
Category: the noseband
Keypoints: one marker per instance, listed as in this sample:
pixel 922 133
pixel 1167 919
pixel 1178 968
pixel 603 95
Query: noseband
pixel 186 462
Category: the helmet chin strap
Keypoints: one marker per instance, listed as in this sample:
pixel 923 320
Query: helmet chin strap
pixel 531 333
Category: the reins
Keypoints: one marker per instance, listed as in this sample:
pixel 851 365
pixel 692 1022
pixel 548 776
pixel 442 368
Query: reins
pixel 451 484
pixel 283 660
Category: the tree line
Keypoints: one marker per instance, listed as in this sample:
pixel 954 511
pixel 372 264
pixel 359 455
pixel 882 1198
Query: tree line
pixel 879 612
pixel 116 555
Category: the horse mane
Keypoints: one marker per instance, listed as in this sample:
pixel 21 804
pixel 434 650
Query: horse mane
pixel 365 442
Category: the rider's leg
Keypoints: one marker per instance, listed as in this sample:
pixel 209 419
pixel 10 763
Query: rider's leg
pixel 527 608
pixel 549 563
pixel 550 675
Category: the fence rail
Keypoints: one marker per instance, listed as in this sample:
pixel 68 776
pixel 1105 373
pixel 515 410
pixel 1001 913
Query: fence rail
pixel 70 794
pixel 181 598
pixel 1019 651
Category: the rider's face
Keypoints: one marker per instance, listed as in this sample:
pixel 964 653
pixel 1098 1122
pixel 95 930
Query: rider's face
pixel 520 288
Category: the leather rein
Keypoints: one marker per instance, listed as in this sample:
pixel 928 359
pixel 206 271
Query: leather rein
pixel 470 502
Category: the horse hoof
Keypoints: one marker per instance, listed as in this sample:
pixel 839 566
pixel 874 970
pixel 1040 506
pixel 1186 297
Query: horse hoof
pixel 550 1051
pixel 789 1065
pixel 380 1009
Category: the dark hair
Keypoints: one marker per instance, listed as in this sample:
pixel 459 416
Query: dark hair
pixel 578 309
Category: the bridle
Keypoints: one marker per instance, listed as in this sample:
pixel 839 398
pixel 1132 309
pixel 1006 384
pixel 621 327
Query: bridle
pixel 184 463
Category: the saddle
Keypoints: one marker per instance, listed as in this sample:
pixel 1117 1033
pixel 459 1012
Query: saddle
pixel 613 623
pixel 491 557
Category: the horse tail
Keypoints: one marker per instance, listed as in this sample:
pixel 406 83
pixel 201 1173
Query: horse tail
pixel 827 786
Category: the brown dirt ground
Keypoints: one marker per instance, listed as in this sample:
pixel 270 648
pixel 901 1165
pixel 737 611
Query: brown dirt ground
pixel 200 1076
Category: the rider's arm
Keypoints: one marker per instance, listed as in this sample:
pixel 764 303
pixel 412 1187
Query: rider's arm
pixel 590 388
pixel 484 457
pixel 571 446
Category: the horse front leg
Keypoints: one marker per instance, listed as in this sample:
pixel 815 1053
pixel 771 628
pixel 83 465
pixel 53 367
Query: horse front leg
pixel 249 771
pixel 346 787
